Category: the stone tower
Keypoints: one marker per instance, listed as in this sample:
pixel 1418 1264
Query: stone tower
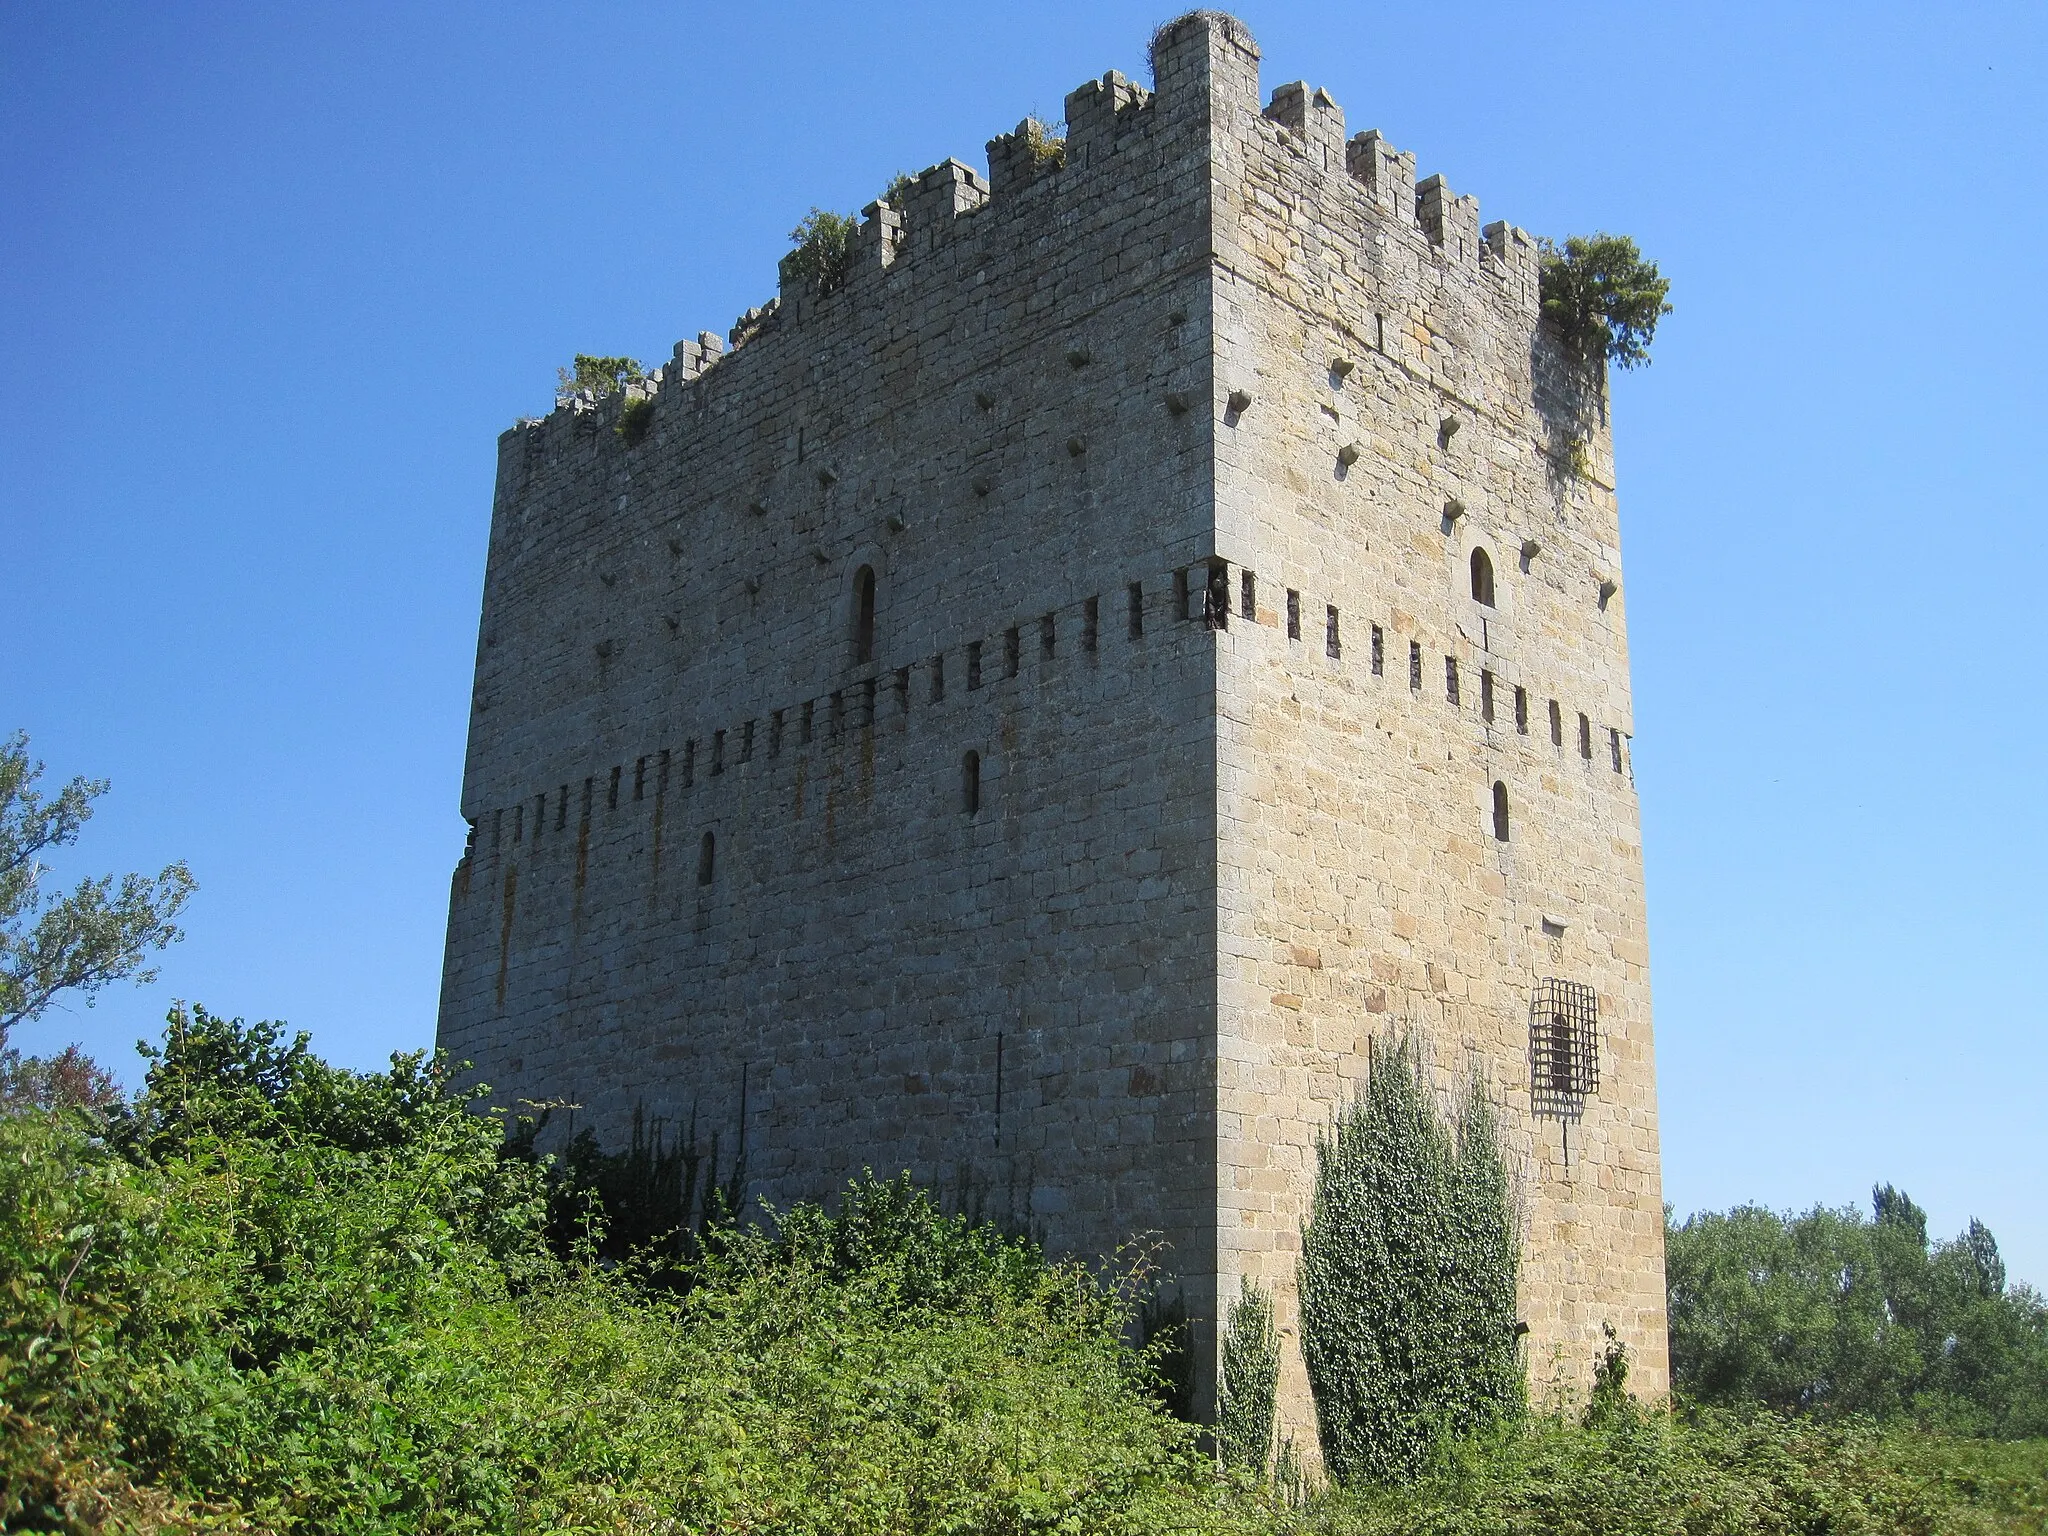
pixel 1038 703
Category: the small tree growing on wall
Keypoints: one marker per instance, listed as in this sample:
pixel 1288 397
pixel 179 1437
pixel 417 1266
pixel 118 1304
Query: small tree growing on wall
pixel 1602 298
pixel 1408 1267
pixel 824 249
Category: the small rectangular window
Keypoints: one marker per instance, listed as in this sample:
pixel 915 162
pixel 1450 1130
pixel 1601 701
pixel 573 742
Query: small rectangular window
pixel 1333 639
pixel 973 664
pixel 803 734
pixel 1136 596
pixel 717 756
pixel 1293 614
pixel 1247 595
pixel 611 799
pixel 1614 747
pixel 1556 725
pixel 1486 695
pixel 562 802
pixel 1521 709
pixel 1415 666
pixel 1090 617
pixel 1379 651
pixel 1013 651
pixel 1451 678
pixel 938 677
pixel 1183 595
pixel 1585 738
pixel 1045 638
pixel 1216 597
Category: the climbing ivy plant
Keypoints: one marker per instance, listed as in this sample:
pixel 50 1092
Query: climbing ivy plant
pixel 1602 298
pixel 1408 1267
pixel 1251 1374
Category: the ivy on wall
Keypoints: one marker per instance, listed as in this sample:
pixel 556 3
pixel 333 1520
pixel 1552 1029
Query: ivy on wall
pixel 1408 1268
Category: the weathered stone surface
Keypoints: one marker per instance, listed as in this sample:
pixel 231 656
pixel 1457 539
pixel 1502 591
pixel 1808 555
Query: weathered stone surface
pixel 1169 464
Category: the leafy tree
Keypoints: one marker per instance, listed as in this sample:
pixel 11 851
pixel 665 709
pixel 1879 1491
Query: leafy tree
pixel 1408 1266
pixel 824 249
pixel 1832 1314
pixel 1603 299
pixel 51 944
pixel 1251 1373
pixel 596 375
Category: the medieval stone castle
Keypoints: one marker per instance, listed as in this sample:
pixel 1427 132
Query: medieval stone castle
pixel 1031 709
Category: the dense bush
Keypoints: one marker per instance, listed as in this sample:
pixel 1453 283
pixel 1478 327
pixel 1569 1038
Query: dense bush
pixel 1408 1266
pixel 1709 1473
pixel 271 1295
pixel 324 1299
pixel 1832 1313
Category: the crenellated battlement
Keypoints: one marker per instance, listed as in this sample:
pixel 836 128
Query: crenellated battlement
pixel 1206 66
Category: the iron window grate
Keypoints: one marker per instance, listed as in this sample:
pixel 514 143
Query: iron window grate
pixel 1564 1047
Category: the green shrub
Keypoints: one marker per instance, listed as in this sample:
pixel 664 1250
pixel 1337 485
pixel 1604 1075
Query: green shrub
pixel 598 376
pixel 1251 1375
pixel 635 417
pixel 1046 141
pixel 824 250
pixel 1644 1473
pixel 320 1300
pixel 1602 298
pixel 1408 1267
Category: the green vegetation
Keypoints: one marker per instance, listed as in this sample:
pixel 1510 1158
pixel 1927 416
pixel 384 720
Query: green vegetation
pixel 324 1301
pixel 78 943
pixel 1833 1314
pixel 1047 141
pixel 1251 1377
pixel 1408 1266
pixel 596 376
pixel 824 249
pixel 635 417
pixel 1708 1473
pixel 267 1294
pixel 1602 298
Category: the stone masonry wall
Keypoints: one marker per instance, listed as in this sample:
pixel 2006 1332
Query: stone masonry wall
pixel 1169 465
pixel 1400 409
pixel 1002 415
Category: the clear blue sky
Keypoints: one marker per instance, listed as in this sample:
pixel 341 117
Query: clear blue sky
pixel 273 278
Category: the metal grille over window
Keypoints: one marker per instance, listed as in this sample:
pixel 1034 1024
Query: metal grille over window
pixel 1564 1047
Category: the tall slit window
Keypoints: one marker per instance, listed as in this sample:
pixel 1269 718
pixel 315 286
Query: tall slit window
pixel 970 783
pixel 707 854
pixel 1482 576
pixel 864 614
pixel 1500 811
